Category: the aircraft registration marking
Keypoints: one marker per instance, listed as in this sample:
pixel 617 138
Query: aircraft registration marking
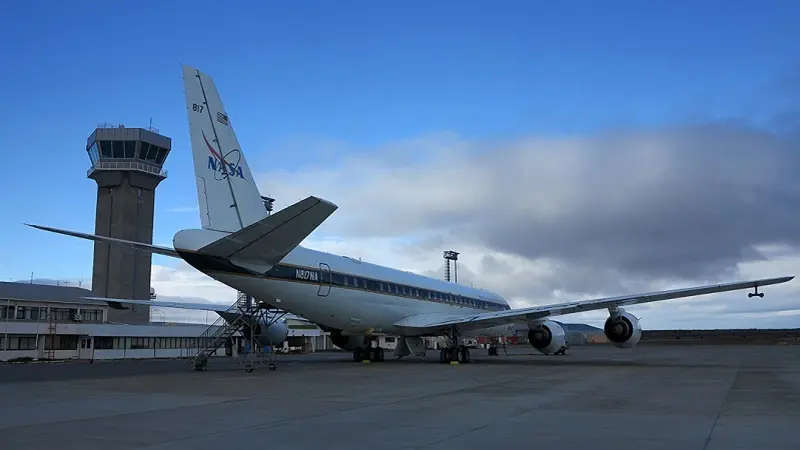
pixel 310 275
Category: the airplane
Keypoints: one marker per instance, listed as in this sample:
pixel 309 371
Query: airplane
pixel 243 246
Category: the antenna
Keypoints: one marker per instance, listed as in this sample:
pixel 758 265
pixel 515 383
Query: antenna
pixel 268 202
pixel 450 255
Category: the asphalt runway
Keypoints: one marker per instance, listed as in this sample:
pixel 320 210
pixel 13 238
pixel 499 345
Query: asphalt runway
pixel 653 397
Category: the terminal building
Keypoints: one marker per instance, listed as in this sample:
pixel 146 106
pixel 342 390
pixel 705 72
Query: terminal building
pixel 40 321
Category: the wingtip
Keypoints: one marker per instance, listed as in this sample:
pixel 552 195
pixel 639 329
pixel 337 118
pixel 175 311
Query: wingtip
pixel 321 200
pixel 332 205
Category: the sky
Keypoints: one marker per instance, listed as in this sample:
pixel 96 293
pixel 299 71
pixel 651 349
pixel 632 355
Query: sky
pixel 567 151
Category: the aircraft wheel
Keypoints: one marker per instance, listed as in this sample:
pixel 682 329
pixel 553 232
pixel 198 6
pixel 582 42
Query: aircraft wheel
pixel 445 356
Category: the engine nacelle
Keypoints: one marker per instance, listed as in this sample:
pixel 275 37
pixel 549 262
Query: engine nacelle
pixel 349 343
pixel 274 334
pixel 547 337
pixel 623 330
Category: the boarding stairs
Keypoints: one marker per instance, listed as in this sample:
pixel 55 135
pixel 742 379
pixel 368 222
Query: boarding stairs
pixel 253 353
pixel 245 312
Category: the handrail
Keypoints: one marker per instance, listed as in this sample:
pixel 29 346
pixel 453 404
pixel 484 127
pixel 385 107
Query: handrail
pixel 127 165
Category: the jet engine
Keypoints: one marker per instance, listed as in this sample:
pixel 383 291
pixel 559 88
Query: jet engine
pixel 622 329
pixel 274 334
pixel 547 337
pixel 349 343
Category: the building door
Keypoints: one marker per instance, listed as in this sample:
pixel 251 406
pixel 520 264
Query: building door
pixel 86 348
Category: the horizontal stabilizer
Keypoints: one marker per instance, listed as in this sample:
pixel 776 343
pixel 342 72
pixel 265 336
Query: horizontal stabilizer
pixel 108 240
pixel 433 322
pixel 116 303
pixel 269 240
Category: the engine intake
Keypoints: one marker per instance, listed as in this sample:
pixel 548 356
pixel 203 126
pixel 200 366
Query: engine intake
pixel 346 342
pixel 547 337
pixel 623 330
pixel 274 334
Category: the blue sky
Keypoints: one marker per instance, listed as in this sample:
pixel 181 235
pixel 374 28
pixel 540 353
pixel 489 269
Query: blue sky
pixel 304 75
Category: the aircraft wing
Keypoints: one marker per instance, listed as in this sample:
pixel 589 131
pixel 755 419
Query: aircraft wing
pixel 108 240
pixel 427 323
pixel 117 303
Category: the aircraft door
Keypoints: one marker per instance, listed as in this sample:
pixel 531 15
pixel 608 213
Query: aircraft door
pixel 325 280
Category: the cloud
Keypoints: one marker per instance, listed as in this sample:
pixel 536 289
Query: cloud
pixel 541 220
pixel 681 202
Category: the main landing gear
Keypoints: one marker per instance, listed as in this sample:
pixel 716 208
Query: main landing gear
pixel 368 352
pixel 756 294
pixel 454 353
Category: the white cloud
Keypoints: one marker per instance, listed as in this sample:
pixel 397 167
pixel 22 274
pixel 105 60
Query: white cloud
pixel 180 282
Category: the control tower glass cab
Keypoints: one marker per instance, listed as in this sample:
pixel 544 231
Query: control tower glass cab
pixel 127 165
pixel 120 148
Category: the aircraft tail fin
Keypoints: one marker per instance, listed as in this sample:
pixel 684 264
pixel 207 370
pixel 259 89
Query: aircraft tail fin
pixel 227 194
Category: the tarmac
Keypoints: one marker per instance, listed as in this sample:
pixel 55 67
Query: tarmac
pixel 652 397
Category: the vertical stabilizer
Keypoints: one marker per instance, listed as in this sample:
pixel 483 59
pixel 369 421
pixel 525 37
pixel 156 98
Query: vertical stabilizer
pixel 226 191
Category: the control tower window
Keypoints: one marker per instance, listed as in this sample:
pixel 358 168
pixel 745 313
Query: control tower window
pixel 162 153
pixel 143 150
pixel 94 154
pixel 151 155
pixel 119 151
pixel 130 149
pixel 105 149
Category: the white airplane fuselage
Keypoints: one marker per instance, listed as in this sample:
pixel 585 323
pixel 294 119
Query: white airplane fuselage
pixel 347 294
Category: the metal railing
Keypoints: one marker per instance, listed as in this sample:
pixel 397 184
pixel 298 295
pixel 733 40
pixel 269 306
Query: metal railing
pixel 105 125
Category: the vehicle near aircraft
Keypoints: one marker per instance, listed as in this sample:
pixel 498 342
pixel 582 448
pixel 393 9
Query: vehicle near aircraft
pixel 244 247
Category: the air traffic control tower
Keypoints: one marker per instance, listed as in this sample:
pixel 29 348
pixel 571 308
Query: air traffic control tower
pixel 127 166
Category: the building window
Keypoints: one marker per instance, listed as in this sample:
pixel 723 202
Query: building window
pixel 39 313
pixel 63 314
pixel 21 342
pixel 61 342
pixel 92 315
pixel 103 342
pixel 141 343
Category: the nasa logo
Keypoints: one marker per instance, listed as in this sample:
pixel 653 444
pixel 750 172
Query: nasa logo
pixel 306 275
pixel 218 164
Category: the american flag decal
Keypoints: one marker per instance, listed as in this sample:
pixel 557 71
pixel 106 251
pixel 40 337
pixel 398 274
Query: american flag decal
pixel 222 118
